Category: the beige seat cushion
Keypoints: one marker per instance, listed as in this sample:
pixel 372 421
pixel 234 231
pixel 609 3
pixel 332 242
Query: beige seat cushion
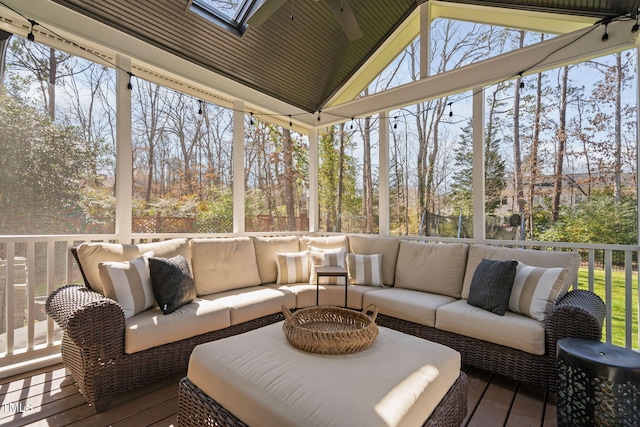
pixel 250 303
pixel 568 260
pixel 329 295
pixel 434 268
pixel 223 264
pixel 152 328
pixel 511 330
pixel 406 304
pixel 388 247
pixel 264 381
pixel 266 249
pixel 90 254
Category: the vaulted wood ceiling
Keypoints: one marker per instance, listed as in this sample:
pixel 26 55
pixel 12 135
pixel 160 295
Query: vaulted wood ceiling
pixel 303 61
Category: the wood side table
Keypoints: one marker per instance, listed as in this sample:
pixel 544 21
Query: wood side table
pixel 332 271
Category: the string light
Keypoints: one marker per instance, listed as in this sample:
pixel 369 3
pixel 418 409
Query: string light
pixel 605 36
pixel 351 122
pixel 395 123
pixel 200 102
pixel 635 29
pixel 290 123
pixel 30 36
pixel 251 119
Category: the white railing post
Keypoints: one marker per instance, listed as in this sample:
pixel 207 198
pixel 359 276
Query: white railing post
pixel 124 151
pixel 478 175
pixel 238 166
pixel 383 174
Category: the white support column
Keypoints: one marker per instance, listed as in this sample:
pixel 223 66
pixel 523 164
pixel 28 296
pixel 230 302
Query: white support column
pixel 124 151
pixel 425 37
pixel 383 178
pixel 478 172
pixel 238 167
pixel 314 163
pixel 638 169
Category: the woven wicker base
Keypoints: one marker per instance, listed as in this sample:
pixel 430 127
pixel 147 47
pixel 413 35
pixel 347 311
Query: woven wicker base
pixel 197 409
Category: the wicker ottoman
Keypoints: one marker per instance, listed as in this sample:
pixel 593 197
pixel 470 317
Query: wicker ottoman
pixel 258 378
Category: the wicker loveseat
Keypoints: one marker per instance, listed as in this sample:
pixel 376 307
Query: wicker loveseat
pixel 241 285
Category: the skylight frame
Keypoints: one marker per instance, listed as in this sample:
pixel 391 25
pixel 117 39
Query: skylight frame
pixel 236 24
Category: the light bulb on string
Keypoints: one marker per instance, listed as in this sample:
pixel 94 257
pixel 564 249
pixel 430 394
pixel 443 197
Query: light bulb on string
pixel 30 36
pixel 450 110
pixel 634 30
pixel 290 123
pixel 251 118
pixel 605 36
pixel 351 122
pixel 200 102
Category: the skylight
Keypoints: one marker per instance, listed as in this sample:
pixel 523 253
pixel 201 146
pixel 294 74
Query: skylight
pixel 229 14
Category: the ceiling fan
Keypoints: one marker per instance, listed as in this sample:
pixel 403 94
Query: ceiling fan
pixel 341 10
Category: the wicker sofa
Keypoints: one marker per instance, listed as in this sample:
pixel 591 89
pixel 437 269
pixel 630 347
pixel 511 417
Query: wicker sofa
pixel 241 285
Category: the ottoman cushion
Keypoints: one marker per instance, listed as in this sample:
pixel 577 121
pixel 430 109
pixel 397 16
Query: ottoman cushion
pixel 263 380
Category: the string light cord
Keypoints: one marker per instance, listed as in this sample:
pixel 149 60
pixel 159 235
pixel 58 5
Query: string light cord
pixel 284 117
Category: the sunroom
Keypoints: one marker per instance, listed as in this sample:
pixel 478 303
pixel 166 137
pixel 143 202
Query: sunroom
pixel 510 123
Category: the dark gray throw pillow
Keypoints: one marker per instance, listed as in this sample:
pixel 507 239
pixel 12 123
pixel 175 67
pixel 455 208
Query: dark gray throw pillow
pixel 172 283
pixel 491 285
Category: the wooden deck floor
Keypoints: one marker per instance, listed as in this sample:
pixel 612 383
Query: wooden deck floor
pixel 49 397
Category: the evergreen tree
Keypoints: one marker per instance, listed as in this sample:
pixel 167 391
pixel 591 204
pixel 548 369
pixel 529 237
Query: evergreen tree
pixel 494 172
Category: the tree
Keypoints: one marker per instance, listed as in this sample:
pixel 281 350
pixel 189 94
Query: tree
pixel 561 135
pixel 462 189
pixel 42 167
pixel 337 179
pixel 598 219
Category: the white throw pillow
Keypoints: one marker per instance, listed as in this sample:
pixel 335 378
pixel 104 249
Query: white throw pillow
pixel 365 269
pixel 535 290
pixel 293 267
pixel 331 257
pixel 129 283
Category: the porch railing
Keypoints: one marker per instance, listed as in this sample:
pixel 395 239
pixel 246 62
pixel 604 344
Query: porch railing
pixel 31 267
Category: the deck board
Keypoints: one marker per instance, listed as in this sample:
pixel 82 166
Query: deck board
pixel 492 400
pixel 493 409
pixel 528 407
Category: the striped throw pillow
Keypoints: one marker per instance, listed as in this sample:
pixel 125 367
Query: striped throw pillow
pixel 293 267
pixel 320 256
pixel 535 290
pixel 365 269
pixel 129 283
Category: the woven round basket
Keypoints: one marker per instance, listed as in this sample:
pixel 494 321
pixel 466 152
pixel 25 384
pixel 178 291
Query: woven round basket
pixel 330 330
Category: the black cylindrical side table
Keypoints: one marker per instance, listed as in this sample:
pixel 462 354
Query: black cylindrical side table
pixel 598 384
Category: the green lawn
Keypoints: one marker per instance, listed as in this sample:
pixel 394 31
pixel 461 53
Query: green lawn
pixel 618 303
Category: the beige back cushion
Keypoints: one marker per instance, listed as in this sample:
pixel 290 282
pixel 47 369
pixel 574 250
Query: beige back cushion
pixel 91 254
pixel 326 242
pixel 388 247
pixel 266 249
pixel 435 268
pixel 223 264
pixel 548 259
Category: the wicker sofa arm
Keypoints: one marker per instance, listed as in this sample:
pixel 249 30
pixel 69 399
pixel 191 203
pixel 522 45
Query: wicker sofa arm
pixel 579 314
pixel 89 319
